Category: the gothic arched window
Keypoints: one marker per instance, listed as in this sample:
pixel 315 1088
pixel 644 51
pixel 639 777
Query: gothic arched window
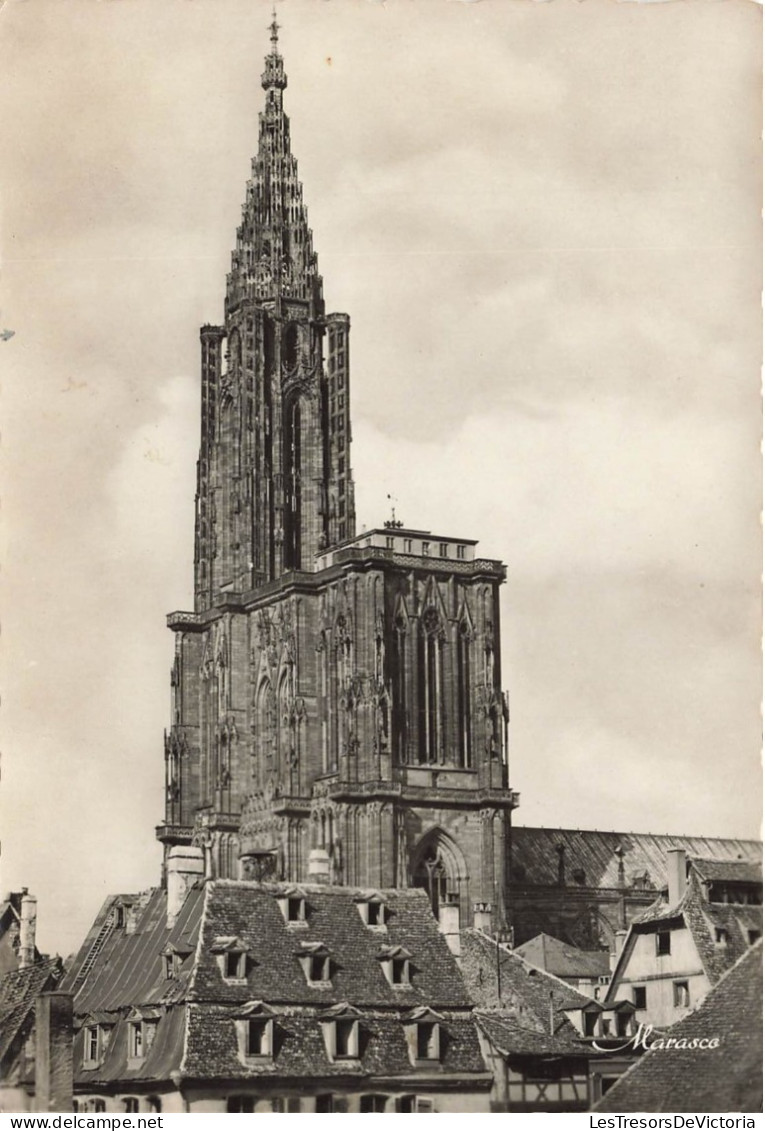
pixel 430 696
pixel 399 689
pixel 464 719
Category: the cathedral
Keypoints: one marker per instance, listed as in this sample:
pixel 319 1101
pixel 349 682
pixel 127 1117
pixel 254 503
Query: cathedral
pixel 337 709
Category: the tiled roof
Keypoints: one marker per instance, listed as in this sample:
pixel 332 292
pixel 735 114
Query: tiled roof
pixel 534 855
pixel 18 990
pixel 734 871
pixel 196 1031
pixel 300 1050
pixel 562 959
pixel 728 1078
pixel 251 912
pixel 522 1007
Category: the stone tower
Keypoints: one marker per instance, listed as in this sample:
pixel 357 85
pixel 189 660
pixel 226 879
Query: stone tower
pixel 335 699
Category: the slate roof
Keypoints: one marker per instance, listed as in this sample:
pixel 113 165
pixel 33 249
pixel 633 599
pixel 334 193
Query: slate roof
pixel 18 990
pixel 118 971
pixel 728 1078
pixel 534 856
pixel 519 1023
pixel 562 959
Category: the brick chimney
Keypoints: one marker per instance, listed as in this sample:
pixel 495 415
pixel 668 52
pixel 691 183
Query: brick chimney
pixel 27 929
pixel 54 1064
pixel 185 865
pixel 676 875
pixel 449 923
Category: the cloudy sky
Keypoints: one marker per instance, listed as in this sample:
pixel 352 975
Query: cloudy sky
pixel 543 221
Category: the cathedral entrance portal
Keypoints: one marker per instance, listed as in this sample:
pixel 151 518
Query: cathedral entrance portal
pixel 438 867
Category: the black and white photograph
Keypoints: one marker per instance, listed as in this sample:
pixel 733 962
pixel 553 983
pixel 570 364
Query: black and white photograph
pixel 380 573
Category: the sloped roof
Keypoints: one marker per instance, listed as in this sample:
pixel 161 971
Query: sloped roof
pixel 251 912
pixel 733 871
pixel 128 968
pixel 196 1031
pixel 562 959
pixel 211 1047
pixel 728 1078
pixel 519 1017
pixel 18 990
pixel 534 855
pixel 702 919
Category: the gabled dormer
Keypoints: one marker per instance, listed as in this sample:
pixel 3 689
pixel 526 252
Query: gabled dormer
pixel 173 957
pixel 396 966
pixel 141 1030
pixel 373 909
pixel 254 1023
pixel 424 1031
pixel 341 1031
pixel 232 955
pixel 314 958
pixel 293 905
pixel 97 1033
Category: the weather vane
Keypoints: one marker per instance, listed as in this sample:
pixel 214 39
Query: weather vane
pixel 393 523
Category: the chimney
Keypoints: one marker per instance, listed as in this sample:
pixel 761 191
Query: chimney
pixel 676 875
pixel 185 865
pixel 449 922
pixel 613 958
pixel 54 1067
pixel 27 929
pixel 482 917
pixel 318 866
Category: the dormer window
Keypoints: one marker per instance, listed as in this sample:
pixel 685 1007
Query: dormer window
pixel 293 907
pixel 315 960
pixel 232 958
pixel 96 1042
pixel 721 936
pixel 255 1031
pixel 173 958
pixel 372 910
pixel 395 961
pixel 346 1039
pixel 340 1027
pixel 135 1040
pixel 142 1028
pixel 423 1032
pixel 260 1036
pixel 428 1043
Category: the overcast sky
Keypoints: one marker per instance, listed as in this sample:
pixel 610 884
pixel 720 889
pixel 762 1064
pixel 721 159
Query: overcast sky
pixel 543 219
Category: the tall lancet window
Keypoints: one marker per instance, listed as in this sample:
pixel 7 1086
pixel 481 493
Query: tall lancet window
pixel 464 720
pixel 400 733
pixel 430 697
pixel 292 486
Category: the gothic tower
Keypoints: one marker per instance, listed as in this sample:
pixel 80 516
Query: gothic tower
pixel 334 697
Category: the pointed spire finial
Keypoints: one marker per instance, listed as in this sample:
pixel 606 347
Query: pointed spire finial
pixel 274 29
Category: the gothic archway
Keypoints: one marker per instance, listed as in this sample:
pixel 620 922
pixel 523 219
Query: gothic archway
pixel 438 866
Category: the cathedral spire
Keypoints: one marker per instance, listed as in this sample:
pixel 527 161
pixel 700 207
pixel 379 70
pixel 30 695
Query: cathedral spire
pixel 274 78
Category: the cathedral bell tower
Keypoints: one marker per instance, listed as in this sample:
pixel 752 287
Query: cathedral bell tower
pixel 273 476
pixel 336 699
